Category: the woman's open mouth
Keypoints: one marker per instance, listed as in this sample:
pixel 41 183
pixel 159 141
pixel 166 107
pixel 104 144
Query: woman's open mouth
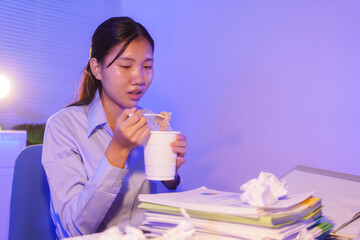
pixel 135 95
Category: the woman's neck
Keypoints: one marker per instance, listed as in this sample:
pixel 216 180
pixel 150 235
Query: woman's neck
pixel 112 111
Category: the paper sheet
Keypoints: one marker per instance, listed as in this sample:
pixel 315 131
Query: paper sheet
pixel 209 200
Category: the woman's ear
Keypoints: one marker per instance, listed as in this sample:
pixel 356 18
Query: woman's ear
pixel 95 68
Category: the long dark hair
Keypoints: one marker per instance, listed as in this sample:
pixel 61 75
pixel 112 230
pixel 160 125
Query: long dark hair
pixel 109 34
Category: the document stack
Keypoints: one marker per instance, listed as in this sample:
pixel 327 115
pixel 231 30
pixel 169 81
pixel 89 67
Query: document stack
pixel 222 215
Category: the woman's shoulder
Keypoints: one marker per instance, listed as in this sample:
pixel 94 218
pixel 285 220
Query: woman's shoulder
pixel 68 115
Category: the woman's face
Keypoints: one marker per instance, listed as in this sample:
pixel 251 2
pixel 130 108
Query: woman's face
pixel 126 80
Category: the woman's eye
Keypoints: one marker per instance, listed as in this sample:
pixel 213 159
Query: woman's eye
pixel 148 67
pixel 125 66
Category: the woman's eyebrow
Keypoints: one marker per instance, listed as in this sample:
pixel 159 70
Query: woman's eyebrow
pixel 125 58
pixel 131 59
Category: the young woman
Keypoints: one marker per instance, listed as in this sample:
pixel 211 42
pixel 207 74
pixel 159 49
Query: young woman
pixel 92 153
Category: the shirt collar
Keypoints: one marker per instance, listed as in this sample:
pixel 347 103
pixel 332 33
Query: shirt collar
pixel 96 115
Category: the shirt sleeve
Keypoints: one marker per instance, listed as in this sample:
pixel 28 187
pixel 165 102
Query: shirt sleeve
pixel 79 203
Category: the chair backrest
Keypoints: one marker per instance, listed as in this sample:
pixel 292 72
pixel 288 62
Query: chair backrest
pixel 30 198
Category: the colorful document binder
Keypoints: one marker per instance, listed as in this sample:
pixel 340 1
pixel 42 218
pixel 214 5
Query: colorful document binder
pixel 216 214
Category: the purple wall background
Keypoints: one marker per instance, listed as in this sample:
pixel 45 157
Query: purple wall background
pixel 255 85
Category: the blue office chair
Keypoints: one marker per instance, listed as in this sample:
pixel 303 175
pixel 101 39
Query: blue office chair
pixel 30 198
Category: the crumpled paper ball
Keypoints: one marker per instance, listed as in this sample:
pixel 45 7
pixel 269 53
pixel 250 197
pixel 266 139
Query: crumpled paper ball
pixel 183 231
pixel 133 233
pixel 113 233
pixel 263 191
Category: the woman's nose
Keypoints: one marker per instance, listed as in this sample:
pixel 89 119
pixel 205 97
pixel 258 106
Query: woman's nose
pixel 138 77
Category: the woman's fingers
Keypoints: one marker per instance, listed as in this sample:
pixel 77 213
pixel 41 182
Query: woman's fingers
pixel 140 123
pixel 125 115
pixel 180 137
pixel 180 141
pixel 131 127
pixel 140 135
pixel 179 146
pixel 179 162
pixel 145 134
pixel 180 151
pixel 131 120
pixel 133 116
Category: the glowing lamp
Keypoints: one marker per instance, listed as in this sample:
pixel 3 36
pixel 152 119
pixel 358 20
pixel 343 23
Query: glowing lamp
pixel 4 86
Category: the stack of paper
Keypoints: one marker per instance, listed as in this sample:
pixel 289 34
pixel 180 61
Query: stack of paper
pixel 222 215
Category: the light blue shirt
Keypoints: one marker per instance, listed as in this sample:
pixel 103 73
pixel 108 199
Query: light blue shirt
pixel 87 193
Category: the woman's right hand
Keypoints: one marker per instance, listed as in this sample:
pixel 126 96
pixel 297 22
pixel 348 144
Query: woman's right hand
pixel 128 133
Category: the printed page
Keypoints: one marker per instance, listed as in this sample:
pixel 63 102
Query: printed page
pixel 209 200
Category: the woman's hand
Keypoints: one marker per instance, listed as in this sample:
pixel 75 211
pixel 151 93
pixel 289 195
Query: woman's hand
pixel 128 133
pixel 179 147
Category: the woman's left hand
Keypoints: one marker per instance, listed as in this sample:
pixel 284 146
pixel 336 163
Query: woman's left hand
pixel 179 147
